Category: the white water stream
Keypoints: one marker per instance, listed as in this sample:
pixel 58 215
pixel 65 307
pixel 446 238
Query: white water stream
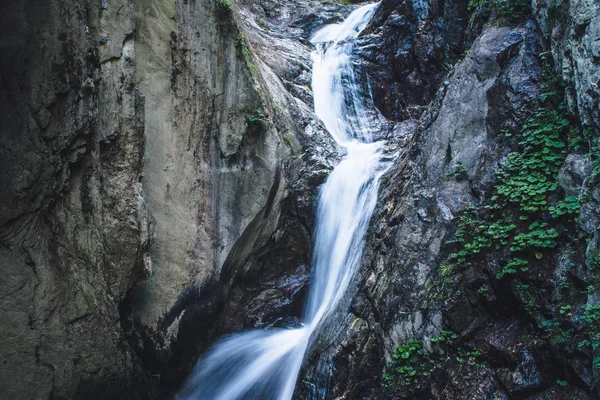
pixel 264 364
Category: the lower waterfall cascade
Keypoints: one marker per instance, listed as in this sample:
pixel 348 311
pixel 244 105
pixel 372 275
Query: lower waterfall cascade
pixel 264 364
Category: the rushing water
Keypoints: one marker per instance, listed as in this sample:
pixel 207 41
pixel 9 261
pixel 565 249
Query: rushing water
pixel 264 364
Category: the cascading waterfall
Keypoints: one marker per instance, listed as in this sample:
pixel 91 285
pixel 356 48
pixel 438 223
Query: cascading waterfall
pixel 264 364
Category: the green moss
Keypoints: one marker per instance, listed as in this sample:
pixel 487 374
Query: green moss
pixel 246 53
pixel 288 141
pixel 263 24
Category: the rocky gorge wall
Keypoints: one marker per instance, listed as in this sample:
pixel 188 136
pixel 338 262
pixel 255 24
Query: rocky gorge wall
pixel 143 152
pixel 75 227
pixel 161 163
pixel 436 312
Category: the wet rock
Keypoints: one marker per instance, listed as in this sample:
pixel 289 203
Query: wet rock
pixel 406 49
pixel 573 30
pixel 481 383
pixel 502 343
pixel 522 379
pixel 574 172
pixel 142 149
pixel 495 87
pixel 557 393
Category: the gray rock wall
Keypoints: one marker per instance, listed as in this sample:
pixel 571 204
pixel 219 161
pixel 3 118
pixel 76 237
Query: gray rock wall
pixel 572 29
pixel 160 165
pixel 401 293
pixel 208 172
pixel 74 224
pixel 137 147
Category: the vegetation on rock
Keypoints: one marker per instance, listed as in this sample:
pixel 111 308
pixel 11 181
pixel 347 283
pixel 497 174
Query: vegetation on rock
pixel 518 217
pixel 224 7
pixel 413 362
pixel 509 11
pixel 526 220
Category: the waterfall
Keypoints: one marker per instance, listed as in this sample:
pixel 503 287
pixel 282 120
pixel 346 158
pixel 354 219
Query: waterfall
pixel 264 364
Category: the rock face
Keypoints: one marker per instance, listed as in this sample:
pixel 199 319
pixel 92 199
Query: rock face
pixel 160 166
pixel 75 229
pixel 407 50
pixel 417 208
pixel 573 30
pixel 146 154
pixel 403 292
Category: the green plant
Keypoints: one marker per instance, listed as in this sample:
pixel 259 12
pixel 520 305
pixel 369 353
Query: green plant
pixel 524 184
pixel 529 295
pixel 242 45
pixel 224 7
pixel 512 265
pixel 530 175
pixel 591 315
pixel 566 310
pixel 240 41
pixel 258 118
pixel 406 364
pixel 467 221
pixel 263 24
pixel 483 290
pixel 471 357
pixel 411 363
pixel 459 172
pixel 538 236
pixel 474 239
pixel 569 206
pixel 525 219
pixel 555 332
pixel 593 264
pixel 474 5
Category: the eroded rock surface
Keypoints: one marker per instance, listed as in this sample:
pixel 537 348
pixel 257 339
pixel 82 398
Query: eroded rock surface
pixel 160 169
pixel 494 89
pixel 573 30
pixel 149 152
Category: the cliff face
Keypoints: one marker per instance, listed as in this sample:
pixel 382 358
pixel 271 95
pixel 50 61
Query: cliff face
pixel 160 164
pixel 75 228
pixel 572 30
pixel 140 144
pixel 436 312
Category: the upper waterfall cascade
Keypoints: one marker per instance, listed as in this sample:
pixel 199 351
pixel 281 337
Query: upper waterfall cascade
pixel 264 364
